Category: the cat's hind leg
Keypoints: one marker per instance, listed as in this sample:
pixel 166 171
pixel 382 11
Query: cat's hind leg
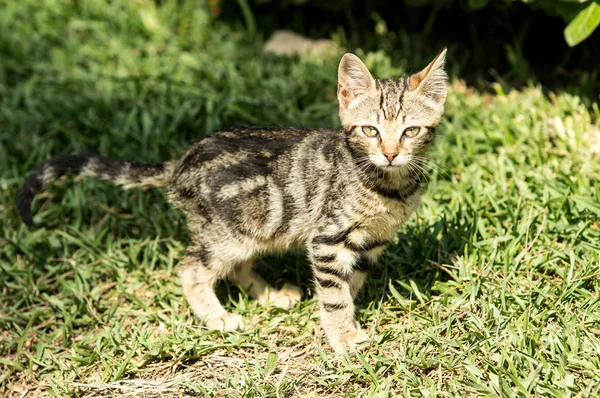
pixel 258 289
pixel 199 274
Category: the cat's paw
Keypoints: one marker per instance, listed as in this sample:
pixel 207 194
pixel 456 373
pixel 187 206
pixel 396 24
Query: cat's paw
pixel 285 298
pixel 349 342
pixel 226 323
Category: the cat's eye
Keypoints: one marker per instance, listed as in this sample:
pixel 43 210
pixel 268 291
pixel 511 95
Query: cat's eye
pixel 412 132
pixel 370 131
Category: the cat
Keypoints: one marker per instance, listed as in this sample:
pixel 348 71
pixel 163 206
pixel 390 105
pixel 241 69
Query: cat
pixel 340 194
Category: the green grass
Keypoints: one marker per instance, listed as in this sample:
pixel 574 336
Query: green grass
pixel 491 290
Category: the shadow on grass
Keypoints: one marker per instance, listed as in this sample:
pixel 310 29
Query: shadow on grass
pixel 424 255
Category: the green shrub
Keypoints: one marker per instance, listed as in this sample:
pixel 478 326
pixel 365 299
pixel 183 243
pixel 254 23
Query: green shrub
pixel 583 16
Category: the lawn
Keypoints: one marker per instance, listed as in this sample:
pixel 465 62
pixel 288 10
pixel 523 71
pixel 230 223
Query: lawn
pixel 492 288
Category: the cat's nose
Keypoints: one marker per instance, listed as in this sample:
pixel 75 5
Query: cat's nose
pixel 390 156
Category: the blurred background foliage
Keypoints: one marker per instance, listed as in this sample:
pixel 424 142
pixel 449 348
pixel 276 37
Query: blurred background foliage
pixel 582 16
pixel 510 42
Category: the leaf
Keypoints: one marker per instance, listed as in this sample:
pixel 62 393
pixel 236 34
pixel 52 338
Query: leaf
pixel 271 364
pixel 583 24
pixel 586 204
pixel 403 302
pixel 477 4
pixel 368 368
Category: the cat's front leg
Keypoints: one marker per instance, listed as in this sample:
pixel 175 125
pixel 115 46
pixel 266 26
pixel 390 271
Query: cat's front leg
pixel 336 283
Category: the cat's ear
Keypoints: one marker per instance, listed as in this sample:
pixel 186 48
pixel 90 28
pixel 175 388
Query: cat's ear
pixel 431 81
pixel 354 80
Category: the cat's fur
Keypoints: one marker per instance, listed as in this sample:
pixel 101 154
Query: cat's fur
pixel 248 191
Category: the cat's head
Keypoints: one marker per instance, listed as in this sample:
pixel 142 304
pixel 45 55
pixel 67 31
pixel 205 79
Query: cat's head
pixel 391 122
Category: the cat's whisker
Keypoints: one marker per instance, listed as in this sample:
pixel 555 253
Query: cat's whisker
pixel 427 172
pixel 414 167
pixel 445 175
pixel 363 165
pixel 433 162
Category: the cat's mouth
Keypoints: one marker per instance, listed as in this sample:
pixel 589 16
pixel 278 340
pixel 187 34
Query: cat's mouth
pixel 395 164
pixel 392 167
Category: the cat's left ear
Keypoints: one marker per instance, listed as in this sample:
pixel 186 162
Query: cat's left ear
pixel 354 81
pixel 431 81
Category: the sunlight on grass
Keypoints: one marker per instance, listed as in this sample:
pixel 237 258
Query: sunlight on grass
pixel 491 289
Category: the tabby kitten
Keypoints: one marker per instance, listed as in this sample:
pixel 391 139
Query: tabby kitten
pixel 341 194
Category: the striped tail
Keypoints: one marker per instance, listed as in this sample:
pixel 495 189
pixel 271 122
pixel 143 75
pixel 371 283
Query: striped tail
pixel 120 172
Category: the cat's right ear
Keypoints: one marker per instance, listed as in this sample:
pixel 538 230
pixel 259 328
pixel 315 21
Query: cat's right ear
pixel 354 81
